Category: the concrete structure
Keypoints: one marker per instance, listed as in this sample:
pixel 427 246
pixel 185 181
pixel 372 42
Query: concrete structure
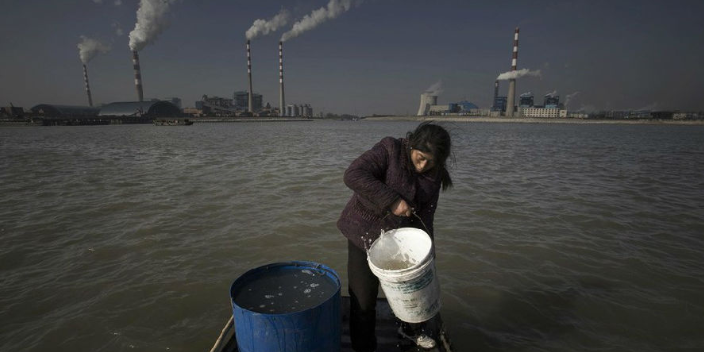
pixel 282 101
pixel 511 100
pixel 426 101
pixel 85 80
pixel 249 75
pixel 137 75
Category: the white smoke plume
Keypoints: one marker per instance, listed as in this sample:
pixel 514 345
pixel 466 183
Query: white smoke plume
pixel 334 9
pixel 435 89
pixel 264 27
pixel 570 97
pixel 88 48
pixel 151 21
pixel 518 74
pixel 552 94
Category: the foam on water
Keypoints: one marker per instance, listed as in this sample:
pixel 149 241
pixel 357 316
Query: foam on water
pixel 284 291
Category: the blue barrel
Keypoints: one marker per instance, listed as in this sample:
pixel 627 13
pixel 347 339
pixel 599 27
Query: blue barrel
pixel 287 307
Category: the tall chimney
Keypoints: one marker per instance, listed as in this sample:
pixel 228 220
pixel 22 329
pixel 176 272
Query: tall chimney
pixel 282 101
pixel 496 93
pixel 137 75
pixel 85 79
pixel 512 83
pixel 249 74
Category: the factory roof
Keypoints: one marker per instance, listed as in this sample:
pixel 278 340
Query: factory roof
pixel 52 110
pixel 154 108
pixel 466 105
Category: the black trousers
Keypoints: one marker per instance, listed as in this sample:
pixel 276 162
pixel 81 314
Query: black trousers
pixel 363 289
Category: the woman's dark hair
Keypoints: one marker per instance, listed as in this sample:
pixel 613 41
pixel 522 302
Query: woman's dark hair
pixel 431 138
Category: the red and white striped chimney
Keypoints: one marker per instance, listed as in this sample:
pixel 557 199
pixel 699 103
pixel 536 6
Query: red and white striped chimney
pixel 510 101
pixel 249 74
pixel 137 75
pixel 282 101
pixel 85 79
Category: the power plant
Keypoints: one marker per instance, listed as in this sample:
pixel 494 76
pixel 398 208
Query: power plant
pixel 511 99
pixel 137 75
pixel 85 79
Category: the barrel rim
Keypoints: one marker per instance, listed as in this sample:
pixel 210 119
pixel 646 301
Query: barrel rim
pixel 327 271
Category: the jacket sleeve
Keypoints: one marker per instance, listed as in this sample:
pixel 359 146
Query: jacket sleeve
pixel 366 176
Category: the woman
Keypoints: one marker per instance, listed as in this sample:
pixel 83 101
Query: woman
pixel 396 184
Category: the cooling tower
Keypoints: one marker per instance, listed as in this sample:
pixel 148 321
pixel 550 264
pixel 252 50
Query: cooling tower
pixel 85 79
pixel 249 75
pixel 510 101
pixel 282 101
pixel 137 75
pixel 426 100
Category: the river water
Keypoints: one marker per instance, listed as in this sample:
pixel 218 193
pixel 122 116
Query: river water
pixel 554 238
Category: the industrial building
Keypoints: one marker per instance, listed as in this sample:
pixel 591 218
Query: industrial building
pixel 551 101
pixel 50 110
pixel 463 108
pixel 542 112
pixel 293 110
pixel 241 101
pixel 499 103
pixel 150 109
pixel 526 100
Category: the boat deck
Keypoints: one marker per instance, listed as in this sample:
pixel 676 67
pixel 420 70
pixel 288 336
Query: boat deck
pixel 387 325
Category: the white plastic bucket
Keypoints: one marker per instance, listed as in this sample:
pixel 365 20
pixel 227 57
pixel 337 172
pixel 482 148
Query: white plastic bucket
pixel 403 261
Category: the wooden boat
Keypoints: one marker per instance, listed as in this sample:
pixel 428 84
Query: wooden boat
pixel 172 122
pixel 388 339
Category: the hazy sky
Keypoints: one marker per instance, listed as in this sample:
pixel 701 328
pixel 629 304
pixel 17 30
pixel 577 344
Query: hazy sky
pixel 377 57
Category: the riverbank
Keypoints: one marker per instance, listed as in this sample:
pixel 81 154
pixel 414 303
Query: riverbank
pixel 247 119
pixel 534 120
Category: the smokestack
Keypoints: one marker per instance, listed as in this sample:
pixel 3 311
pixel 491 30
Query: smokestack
pixel 249 74
pixel 85 79
pixel 512 83
pixel 496 90
pixel 282 107
pixel 137 75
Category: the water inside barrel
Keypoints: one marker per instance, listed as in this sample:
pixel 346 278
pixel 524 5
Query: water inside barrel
pixel 285 290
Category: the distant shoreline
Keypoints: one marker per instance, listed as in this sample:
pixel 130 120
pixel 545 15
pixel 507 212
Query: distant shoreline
pixel 534 120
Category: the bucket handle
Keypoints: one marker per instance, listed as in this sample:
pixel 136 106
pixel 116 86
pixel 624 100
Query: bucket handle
pixel 413 212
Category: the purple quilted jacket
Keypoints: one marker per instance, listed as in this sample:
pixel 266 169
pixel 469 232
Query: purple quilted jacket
pixel 378 178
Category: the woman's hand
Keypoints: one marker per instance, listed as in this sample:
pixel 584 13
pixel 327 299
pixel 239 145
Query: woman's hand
pixel 401 208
